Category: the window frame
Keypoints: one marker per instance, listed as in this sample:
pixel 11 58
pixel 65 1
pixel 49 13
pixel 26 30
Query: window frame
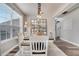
pixel 20 18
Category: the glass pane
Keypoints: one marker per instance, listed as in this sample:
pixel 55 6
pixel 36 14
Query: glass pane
pixel 15 25
pixel 5 19
pixel 8 28
pixel 15 19
pixel 3 32
pixel 15 22
pixel 5 13
pixel 15 31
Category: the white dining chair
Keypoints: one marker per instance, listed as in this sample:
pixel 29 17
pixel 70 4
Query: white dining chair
pixel 20 40
pixel 39 46
pixel 23 45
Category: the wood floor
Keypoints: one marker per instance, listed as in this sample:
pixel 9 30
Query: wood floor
pixel 53 50
pixel 58 48
pixel 68 48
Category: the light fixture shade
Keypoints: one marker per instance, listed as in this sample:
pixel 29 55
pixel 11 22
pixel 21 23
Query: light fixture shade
pixel 25 26
pixel 37 26
pixel 25 23
pixel 39 16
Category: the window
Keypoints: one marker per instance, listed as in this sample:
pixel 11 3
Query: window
pixel 9 22
pixel 39 26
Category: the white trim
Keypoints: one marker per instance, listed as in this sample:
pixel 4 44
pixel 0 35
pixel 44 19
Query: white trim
pixel 21 24
pixel 63 8
pixel 6 40
pixel 5 53
pixel 70 42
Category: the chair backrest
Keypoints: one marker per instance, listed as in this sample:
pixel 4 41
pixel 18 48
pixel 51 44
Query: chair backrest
pixel 39 45
pixel 20 37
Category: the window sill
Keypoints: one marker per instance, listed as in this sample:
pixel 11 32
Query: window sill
pixel 9 39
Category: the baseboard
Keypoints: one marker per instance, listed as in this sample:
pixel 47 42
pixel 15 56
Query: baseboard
pixel 4 54
pixel 70 42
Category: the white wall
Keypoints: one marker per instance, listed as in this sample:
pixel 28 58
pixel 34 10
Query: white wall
pixel 70 28
pixel 66 31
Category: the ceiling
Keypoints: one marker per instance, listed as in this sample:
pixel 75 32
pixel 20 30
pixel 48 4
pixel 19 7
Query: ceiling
pixel 31 8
